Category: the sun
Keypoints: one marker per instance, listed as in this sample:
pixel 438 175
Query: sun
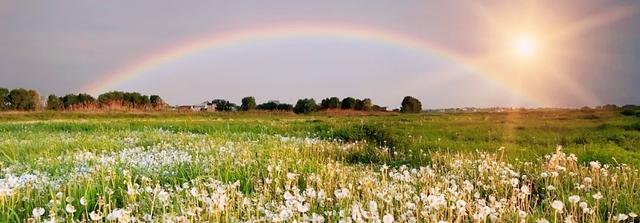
pixel 525 46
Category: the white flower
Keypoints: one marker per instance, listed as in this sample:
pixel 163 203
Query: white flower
pixel 583 205
pixel 558 205
pixel 37 212
pixel 70 208
pixel 163 196
pixel 341 193
pixel 622 217
pixel 597 196
pixel 522 214
pixel 574 199
pixel 95 216
pixel 542 220
pixel 388 218
pixel 83 201
pixel 633 215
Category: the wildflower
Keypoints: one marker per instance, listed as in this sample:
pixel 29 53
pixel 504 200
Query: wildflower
pixel 542 220
pixel 622 217
pixel 37 212
pixel 95 216
pixel 341 193
pixel 597 196
pixel 522 214
pixel 70 208
pixel 557 205
pixel 574 199
pixel 583 205
pixel 525 190
pixel 633 215
pixel 83 201
pixel 163 196
pixel 388 218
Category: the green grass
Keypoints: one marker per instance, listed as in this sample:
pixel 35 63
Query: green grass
pixel 244 148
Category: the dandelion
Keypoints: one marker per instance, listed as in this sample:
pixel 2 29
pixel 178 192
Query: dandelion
pixel 622 217
pixel 388 218
pixel 558 206
pixel 597 196
pixel 95 216
pixel 70 208
pixel 574 199
pixel 542 220
pixel 37 212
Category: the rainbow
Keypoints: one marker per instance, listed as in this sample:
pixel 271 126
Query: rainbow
pixel 221 40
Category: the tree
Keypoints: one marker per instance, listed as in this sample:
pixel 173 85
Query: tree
pixel 364 104
pixel 23 99
pixel 348 103
pixel 330 103
pixel 54 102
pixel 248 103
pixel 223 105
pixel 157 102
pixel 3 99
pixel 411 105
pixel 284 107
pixel 305 106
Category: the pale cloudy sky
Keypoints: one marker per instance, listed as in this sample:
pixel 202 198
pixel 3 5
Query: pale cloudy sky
pixel 64 46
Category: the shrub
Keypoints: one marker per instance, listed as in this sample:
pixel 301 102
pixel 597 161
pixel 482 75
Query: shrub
pixel 348 103
pixel 248 103
pixel 305 106
pixel 411 105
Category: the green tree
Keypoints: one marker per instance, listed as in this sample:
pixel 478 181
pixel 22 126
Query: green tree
pixel 54 102
pixel 305 106
pixel 330 103
pixel 348 103
pixel 223 105
pixel 157 102
pixel 4 102
pixel 248 103
pixel 23 99
pixel 364 104
pixel 411 105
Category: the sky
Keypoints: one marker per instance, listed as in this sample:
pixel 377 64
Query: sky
pixel 457 53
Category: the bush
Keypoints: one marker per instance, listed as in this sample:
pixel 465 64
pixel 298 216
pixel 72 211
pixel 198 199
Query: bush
pixel 629 112
pixel 348 103
pixel 248 103
pixel 305 106
pixel 411 105
pixel 330 103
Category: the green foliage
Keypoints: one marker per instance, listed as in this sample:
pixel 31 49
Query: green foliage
pixel 3 98
pixel 411 105
pixel 129 100
pixel 364 104
pixel 248 103
pixel 305 106
pixel 23 99
pixel 275 106
pixel 348 103
pixel 54 102
pixel 223 105
pixel 629 112
pixel 330 103
pixel 79 101
pixel 157 102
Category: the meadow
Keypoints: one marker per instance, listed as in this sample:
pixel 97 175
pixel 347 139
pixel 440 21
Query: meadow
pixel 518 166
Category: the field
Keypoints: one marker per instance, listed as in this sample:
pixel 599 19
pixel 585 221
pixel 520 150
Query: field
pixel 532 166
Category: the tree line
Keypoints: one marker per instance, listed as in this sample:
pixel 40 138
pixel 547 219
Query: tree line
pixel 29 100
pixel 309 105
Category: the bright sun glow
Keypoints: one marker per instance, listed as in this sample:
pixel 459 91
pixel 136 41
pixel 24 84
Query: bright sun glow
pixel 525 46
